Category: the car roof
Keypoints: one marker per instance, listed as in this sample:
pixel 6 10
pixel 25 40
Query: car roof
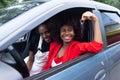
pixel 15 28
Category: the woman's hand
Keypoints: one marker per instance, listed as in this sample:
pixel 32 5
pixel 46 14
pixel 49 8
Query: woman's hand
pixel 88 16
pixel 97 33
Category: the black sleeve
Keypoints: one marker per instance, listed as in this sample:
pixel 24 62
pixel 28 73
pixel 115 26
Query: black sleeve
pixel 45 46
pixel 34 43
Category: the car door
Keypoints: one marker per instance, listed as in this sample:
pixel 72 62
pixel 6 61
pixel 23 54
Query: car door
pixel 111 20
pixel 82 68
pixel 86 67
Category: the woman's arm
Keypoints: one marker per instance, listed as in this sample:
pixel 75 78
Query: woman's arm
pixel 30 60
pixel 97 33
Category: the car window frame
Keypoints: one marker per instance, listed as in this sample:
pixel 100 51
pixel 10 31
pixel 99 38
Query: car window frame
pixel 45 74
pixel 115 43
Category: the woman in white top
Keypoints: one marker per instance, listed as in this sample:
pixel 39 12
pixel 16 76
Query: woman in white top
pixel 39 47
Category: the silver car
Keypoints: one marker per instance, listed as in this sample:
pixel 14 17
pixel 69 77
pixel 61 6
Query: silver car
pixel 19 23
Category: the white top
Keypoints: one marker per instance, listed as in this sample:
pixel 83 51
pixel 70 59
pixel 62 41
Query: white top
pixel 39 60
pixel 40 42
pixel 55 64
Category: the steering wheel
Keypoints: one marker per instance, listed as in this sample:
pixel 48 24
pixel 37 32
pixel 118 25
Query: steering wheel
pixel 20 64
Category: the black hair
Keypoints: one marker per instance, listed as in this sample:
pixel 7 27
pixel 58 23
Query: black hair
pixel 67 20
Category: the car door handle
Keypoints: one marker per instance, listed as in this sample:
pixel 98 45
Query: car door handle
pixel 100 75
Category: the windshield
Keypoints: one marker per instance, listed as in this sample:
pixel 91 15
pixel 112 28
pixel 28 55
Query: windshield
pixel 9 13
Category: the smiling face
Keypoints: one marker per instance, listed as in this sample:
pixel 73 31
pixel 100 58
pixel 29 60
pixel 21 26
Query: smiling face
pixel 67 33
pixel 44 33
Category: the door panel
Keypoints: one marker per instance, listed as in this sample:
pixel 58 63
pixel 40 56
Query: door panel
pixel 111 21
pixel 113 55
pixel 86 70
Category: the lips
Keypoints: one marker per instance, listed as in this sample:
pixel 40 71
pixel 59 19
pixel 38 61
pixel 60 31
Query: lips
pixel 67 37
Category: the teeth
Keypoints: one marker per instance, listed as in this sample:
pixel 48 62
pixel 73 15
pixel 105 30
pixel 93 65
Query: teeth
pixel 67 37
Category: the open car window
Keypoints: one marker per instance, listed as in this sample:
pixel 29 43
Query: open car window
pixel 87 37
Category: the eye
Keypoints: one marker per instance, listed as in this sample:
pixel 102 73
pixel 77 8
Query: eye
pixel 47 32
pixel 62 30
pixel 41 34
pixel 70 29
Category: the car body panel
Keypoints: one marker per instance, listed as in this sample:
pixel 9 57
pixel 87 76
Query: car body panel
pixel 97 67
pixel 83 70
pixel 103 66
pixel 113 56
pixel 13 74
pixel 102 6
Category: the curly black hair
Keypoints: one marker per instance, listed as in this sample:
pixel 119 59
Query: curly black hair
pixel 65 20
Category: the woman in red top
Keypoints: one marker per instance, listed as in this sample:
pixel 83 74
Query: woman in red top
pixel 69 48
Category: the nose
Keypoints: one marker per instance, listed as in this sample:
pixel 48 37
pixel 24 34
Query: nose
pixel 66 32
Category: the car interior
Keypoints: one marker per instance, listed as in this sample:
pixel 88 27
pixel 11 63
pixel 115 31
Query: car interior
pixel 21 47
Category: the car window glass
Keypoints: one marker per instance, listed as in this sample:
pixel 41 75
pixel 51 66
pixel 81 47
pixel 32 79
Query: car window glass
pixel 112 27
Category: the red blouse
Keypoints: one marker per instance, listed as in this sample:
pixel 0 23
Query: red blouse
pixel 74 50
